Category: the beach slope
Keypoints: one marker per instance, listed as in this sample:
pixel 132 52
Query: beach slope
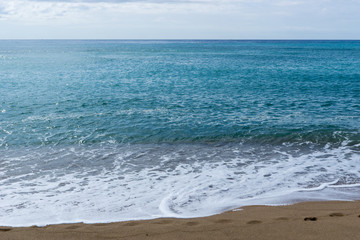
pixel 308 220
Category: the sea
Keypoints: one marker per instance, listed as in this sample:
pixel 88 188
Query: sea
pixel 113 130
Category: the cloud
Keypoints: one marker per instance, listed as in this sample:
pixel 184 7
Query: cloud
pixel 113 1
pixel 180 19
pixel 3 11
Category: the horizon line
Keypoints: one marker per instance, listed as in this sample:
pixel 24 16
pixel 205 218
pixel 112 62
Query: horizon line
pixel 190 39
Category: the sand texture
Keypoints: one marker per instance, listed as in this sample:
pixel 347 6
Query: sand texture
pixel 310 220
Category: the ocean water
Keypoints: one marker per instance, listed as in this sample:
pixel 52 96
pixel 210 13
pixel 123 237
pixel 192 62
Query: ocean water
pixel 102 131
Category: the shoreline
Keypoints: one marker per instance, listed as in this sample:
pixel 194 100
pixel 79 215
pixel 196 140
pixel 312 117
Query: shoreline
pixel 305 220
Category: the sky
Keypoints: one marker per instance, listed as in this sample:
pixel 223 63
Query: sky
pixel 184 19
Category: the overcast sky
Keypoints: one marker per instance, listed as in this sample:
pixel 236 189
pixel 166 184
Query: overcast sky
pixel 184 19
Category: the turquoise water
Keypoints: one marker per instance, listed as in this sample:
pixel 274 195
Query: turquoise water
pixel 172 126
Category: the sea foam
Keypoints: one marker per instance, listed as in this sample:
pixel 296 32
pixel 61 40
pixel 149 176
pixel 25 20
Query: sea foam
pixel 128 182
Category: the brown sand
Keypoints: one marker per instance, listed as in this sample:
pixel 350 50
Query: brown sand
pixel 310 220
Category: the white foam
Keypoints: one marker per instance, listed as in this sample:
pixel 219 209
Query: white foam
pixel 104 184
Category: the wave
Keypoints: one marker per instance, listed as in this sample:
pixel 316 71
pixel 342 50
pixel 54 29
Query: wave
pixel 320 135
pixel 118 182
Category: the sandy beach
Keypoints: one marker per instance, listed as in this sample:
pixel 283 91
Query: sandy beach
pixel 308 220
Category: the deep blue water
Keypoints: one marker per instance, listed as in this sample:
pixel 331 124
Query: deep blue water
pixel 82 109
pixel 86 92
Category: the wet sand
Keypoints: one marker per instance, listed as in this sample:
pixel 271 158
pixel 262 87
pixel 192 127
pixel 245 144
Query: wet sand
pixel 309 220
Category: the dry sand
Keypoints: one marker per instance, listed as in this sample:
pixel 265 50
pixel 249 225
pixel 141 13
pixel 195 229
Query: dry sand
pixel 309 220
